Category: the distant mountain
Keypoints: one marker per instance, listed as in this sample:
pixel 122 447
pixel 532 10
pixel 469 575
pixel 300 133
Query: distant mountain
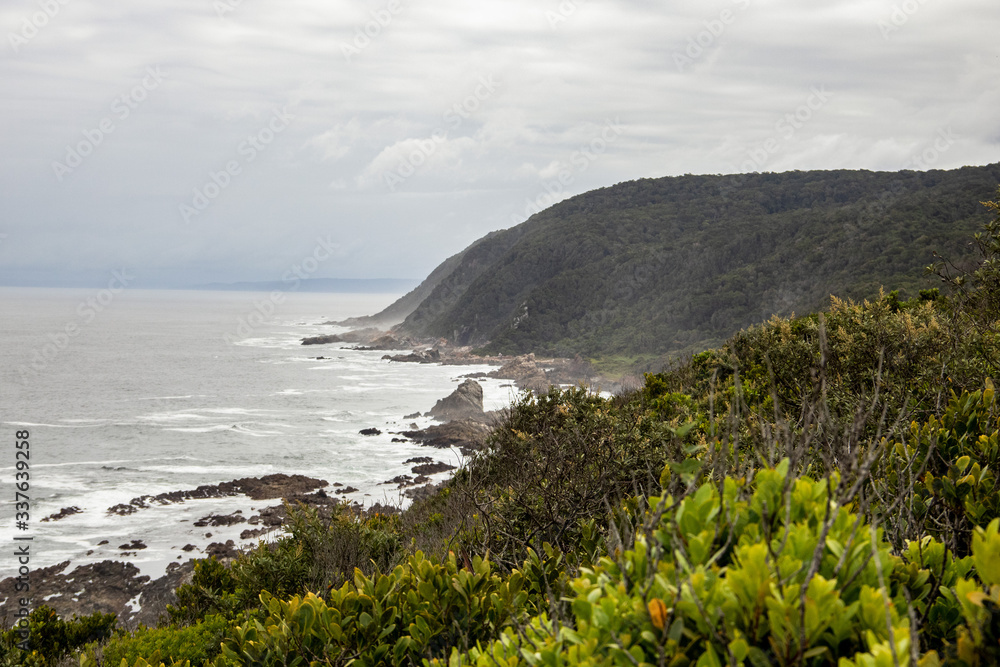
pixel 337 285
pixel 669 265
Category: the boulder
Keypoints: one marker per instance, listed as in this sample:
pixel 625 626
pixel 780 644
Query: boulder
pixel 466 402
pixel 322 340
pixel 466 434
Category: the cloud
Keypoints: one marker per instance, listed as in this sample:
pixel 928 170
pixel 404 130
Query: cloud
pixel 554 84
pixel 336 142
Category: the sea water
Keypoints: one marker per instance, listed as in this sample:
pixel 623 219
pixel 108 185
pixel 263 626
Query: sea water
pixel 145 392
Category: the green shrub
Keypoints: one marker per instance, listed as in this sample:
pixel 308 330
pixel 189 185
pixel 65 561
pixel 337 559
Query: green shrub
pixel 196 643
pixel 50 638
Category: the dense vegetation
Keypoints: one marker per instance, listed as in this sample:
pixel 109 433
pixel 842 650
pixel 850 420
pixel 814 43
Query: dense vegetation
pixel 658 266
pixel 819 490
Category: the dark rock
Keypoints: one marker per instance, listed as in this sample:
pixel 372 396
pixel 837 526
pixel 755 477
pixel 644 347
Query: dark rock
pixel 431 468
pixel 419 459
pixel 346 489
pixel 188 547
pixel 466 434
pixel 262 488
pixel 400 440
pixel 370 431
pixel 63 513
pixel 135 545
pixel 419 357
pixel 466 402
pixel 415 415
pixel 220 550
pixel 251 533
pixel 322 340
pixel 105 587
pixel 102 543
pixel 221 520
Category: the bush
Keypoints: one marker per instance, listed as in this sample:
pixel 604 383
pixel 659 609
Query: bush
pixel 51 638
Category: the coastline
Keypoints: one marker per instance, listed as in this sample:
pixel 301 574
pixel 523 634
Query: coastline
pixel 234 514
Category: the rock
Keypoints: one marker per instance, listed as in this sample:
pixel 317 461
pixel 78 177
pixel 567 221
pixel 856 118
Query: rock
pixel 420 357
pixel 188 547
pixel 418 459
pixel 322 340
pixel 431 468
pixel 107 587
pixel 370 431
pixel 415 415
pixel 346 489
pixel 257 488
pixel 466 434
pixel 220 550
pixel 466 402
pixel 63 513
pixel 251 533
pixel 135 545
pixel 525 372
pixel 221 520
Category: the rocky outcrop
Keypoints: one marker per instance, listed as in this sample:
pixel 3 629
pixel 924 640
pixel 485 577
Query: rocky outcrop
pixel 322 340
pixel 431 468
pixel 466 402
pixel 465 434
pixel 523 370
pixel 63 513
pixel 418 357
pixel 109 587
pixel 257 488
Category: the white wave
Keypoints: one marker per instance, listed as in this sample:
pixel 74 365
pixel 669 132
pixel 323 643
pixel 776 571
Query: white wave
pixel 171 398
pixel 201 429
pixel 33 425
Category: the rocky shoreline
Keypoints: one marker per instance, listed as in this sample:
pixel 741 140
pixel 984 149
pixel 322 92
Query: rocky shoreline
pixel 118 586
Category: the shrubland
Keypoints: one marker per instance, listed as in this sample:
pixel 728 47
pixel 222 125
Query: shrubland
pixel 819 490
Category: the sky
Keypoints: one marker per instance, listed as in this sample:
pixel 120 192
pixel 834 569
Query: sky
pixel 194 141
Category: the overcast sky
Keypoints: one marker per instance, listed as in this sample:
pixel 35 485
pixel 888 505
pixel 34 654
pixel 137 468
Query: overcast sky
pixel 227 140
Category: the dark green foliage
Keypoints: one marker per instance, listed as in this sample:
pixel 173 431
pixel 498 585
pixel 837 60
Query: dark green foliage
pixel 664 266
pixel 52 638
pixel 558 461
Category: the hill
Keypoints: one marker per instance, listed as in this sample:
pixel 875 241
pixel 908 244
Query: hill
pixel 674 265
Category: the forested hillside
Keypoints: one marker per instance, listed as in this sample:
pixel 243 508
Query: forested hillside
pixel 659 266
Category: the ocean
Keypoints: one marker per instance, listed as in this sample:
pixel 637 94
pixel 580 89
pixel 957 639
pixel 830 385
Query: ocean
pixel 134 392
